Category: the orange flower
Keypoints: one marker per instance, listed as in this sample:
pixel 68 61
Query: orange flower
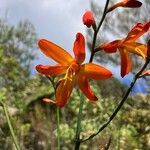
pixel 75 73
pixel 88 19
pixel 129 45
pixel 126 3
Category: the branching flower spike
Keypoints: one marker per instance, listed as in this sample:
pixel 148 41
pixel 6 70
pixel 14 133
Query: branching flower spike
pixel 127 45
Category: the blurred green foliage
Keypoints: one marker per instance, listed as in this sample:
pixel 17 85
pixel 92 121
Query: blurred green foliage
pixel 16 56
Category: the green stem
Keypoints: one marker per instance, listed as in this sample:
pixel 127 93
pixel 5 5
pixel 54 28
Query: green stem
pixel 97 30
pixel 57 113
pixel 10 125
pixel 79 117
pixel 58 129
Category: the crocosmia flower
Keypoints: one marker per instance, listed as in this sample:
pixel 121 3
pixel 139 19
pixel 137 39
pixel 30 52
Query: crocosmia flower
pixel 128 45
pixel 126 3
pixel 75 73
pixel 88 19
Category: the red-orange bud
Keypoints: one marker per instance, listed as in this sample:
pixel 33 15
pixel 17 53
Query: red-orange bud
pixel 132 3
pixel 126 3
pixel 88 19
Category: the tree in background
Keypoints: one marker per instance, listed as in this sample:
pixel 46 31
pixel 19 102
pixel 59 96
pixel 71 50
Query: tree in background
pixel 18 87
pixel 17 44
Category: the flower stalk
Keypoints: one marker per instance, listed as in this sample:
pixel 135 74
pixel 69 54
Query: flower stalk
pixel 97 30
pixel 78 140
pixel 79 118
pixel 57 113
pixel 10 125
pixel 58 129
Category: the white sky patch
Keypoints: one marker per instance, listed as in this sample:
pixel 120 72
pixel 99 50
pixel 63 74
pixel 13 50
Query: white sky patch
pixel 55 20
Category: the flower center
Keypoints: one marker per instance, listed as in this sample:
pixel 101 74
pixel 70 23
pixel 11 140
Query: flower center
pixel 72 71
pixel 74 67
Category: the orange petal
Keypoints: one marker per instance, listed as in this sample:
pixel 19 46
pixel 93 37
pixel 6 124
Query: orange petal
pixel 63 91
pixel 47 100
pixel 94 71
pixel 51 70
pixel 125 62
pixel 110 47
pixel 136 48
pixel 79 48
pixel 85 88
pixel 55 52
pixel 138 30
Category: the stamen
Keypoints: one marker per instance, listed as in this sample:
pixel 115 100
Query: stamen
pixel 139 50
pixel 71 72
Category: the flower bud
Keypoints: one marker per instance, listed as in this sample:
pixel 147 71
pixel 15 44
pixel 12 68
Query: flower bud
pixel 126 3
pixel 132 3
pixel 88 19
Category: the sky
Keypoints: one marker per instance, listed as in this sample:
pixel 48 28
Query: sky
pixel 55 20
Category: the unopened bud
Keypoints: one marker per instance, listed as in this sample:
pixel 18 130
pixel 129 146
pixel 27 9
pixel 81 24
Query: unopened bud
pixel 126 3
pixel 88 19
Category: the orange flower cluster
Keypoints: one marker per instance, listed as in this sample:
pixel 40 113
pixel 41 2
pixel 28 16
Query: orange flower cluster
pixel 77 73
pixel 128 45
